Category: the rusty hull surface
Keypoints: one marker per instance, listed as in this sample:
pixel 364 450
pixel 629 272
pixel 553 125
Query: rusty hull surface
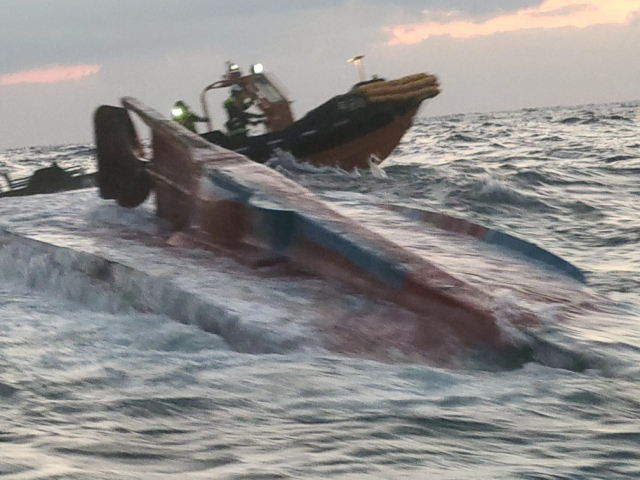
pixel 220 199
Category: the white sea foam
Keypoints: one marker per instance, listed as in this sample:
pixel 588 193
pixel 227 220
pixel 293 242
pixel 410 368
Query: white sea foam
pixel 86 393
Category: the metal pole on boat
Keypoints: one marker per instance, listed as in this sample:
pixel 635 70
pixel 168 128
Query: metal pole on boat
pixel 357 61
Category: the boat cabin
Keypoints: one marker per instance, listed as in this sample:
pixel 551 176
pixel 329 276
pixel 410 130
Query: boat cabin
pixel 262 89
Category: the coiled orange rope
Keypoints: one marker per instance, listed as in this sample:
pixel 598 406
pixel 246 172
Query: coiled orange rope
pixel 419 86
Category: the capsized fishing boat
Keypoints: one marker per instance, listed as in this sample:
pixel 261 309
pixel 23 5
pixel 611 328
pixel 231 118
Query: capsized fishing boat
pixel 219 200
pixel 350 130
pixel 49 179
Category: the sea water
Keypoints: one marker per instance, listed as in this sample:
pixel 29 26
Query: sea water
pixel 122 358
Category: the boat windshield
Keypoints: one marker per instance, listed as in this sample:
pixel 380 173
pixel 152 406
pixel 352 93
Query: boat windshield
pixel 266 90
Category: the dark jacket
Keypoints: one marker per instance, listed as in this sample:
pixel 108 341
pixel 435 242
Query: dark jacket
pixel 239 118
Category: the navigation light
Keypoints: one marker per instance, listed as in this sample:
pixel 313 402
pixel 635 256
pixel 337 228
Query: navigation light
pixel 357 61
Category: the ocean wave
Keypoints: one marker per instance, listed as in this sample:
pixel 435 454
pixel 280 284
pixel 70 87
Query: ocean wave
pixel 109 286
pixel 99 377
pixel 492 191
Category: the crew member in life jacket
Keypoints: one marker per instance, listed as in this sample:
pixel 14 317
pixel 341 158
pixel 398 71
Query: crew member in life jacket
pixel 185 117
pixel 239 119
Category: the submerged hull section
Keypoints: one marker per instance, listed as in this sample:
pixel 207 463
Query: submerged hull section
pixel 223 201
pixel 124 256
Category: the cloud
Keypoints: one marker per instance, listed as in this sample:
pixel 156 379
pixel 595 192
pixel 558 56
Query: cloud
pixel 49 75
pixel 467 8
pixel 550 14
pixel 40 32
pixel 37 32
pixel 163 50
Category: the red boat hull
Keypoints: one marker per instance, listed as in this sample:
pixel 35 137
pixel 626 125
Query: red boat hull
pixel 221 200
pixel 371 148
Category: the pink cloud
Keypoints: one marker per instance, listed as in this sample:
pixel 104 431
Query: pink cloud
pixel 49 75
pixel 550 14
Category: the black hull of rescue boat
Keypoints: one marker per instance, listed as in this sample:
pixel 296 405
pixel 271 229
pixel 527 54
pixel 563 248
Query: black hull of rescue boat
pixel 341 121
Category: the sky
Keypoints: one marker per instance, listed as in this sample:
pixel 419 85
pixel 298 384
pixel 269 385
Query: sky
pixel 61 59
